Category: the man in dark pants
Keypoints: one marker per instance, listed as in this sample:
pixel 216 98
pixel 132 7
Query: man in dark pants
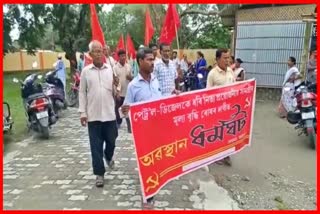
pixel 124 73
pixel 144 87
pixel 96 107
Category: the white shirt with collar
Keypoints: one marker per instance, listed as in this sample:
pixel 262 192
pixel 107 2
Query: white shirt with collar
pixel 96 93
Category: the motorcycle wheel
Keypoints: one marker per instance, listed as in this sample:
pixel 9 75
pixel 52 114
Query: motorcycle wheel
pixel 58 112
pixel 312 139
pixel 44 132
pixel 72 98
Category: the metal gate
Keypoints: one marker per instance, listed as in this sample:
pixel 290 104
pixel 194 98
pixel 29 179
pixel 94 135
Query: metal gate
pixel 265 48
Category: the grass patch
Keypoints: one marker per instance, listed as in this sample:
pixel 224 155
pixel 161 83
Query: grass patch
pixel 12 95
pixel 280 204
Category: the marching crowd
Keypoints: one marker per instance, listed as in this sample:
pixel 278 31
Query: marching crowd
pixel 108 89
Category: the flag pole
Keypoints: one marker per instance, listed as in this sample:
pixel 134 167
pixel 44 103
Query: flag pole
pixel 127 54
pixel 175 27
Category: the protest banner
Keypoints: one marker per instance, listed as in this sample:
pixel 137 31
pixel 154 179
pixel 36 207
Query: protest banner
pixel 179 134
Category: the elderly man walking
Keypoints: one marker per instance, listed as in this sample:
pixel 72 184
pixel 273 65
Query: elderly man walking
pixel 96 107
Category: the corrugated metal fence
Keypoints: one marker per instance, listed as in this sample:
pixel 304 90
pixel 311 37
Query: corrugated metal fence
pixel 265 48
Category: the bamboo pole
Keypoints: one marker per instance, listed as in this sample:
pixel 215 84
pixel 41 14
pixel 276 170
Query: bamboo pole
pixel 175 27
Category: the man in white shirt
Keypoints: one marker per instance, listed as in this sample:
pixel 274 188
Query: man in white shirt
pixel 184 63
pixel 124 72
pixel 175 60
pixel 154 49
pixel 110 60
pixel 96 107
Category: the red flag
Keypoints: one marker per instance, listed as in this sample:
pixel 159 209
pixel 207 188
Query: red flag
pixel 171 23
pixel 97 33
pixel 130 47
pixel 149 30
pixel 120 45
pixel 87 60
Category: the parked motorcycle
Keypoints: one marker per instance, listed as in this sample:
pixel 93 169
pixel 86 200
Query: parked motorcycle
pixel 40 115
pixel 7 120
pixel 53 88
pixel 73 93
pixel 305 114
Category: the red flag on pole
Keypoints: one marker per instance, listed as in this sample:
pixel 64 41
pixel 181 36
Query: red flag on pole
pixel 170 25
pixel 130 47
pixel 97 33
pixel 120 45
pixel 149 30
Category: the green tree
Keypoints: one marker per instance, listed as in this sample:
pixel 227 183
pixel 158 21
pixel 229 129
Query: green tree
pixel 70 23
pixel 201 25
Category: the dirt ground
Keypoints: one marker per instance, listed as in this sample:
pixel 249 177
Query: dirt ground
pixel 278 171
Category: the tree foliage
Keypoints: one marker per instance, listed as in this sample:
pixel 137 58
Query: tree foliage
pixel 201 25
pixel 68 25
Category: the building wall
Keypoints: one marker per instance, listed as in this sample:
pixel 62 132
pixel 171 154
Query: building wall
pixel 284 13
pixel 266 37
pixel 21 61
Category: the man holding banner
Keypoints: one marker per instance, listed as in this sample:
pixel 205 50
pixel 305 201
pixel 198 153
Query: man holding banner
pixel 205 126
pixel 221 75
pixel 144 87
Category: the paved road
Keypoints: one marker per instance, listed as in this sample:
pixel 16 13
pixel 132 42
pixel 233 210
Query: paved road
pixel 277 172
pixel 56 174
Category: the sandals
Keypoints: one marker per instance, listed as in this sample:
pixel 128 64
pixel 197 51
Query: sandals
pixel 149 204
pixel 99 181
pixel 225 161
pixel 110 164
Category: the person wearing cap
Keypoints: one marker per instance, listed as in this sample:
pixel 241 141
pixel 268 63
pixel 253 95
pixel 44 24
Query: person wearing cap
pixel 238 70
pixel 61 71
